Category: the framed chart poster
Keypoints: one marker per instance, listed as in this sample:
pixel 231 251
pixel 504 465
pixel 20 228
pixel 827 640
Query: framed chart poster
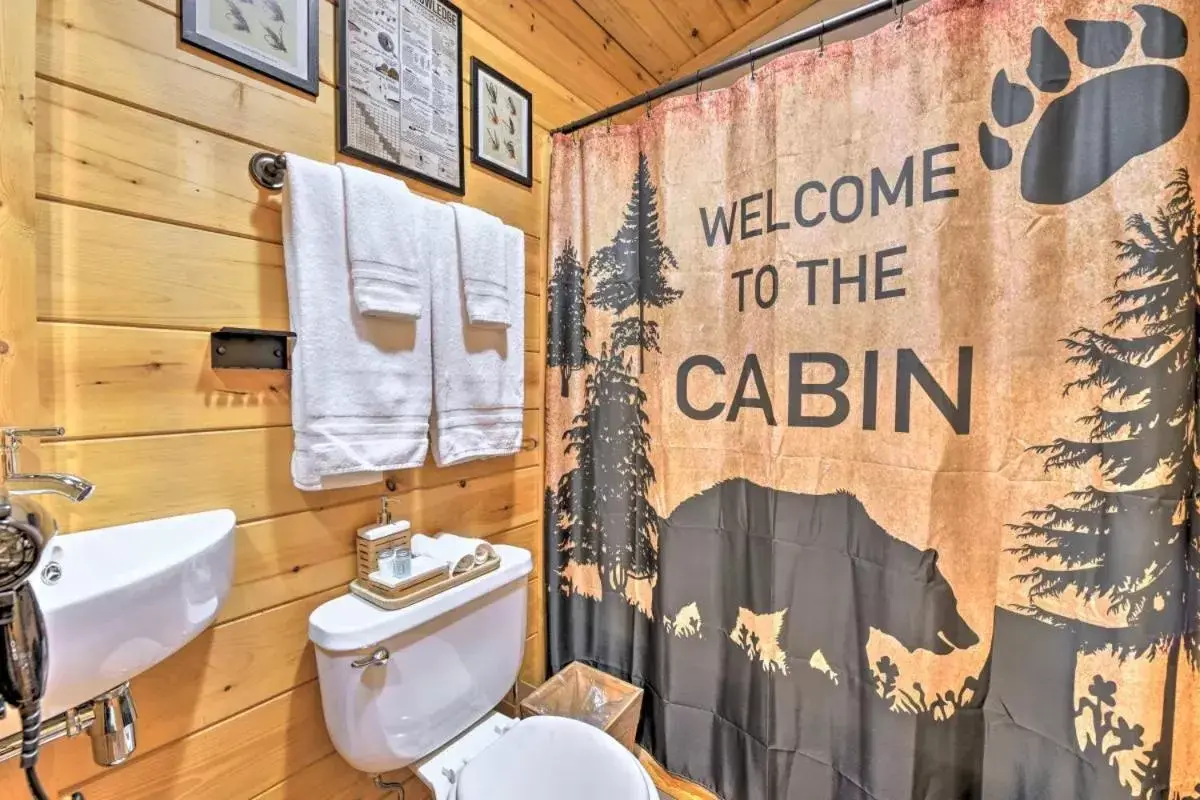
pixel 400 104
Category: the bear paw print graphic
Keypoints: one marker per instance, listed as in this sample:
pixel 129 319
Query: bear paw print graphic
pixel 1086 136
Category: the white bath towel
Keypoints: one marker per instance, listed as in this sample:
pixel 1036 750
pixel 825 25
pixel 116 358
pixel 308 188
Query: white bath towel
pixel 461 553
pixel 360 385
pixel 478 371
pixel 383 240
pixel 481 257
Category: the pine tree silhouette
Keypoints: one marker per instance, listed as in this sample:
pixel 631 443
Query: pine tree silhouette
pixel 558 535
pixel 1125 544
pixel 632 269
pixel 576 500
pixel 603 512
pixel 567 334
pixel 1131 540
pixel 610 520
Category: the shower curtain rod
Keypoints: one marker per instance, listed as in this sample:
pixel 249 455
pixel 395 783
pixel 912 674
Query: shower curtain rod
pixel 815 31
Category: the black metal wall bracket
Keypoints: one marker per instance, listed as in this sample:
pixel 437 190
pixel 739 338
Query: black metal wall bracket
pixel 247 348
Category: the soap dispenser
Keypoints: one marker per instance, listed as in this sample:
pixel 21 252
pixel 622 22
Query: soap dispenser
pixel 385 546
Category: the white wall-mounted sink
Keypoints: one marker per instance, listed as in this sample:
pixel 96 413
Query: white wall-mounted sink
pixel 128 597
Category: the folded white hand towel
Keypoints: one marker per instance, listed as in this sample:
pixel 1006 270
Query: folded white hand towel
pixel 481 549
pixel 383 240
pixel 460 553
pixel 479 371
pixel 361 392
pixel 481 258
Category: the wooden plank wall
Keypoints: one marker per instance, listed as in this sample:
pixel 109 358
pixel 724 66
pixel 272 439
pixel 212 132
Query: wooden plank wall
pixel 18 340
pixel 149 235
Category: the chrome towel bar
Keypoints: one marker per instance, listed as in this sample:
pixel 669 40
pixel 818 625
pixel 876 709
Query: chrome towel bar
pixel 267 170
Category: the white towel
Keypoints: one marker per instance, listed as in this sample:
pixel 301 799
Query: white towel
pixel 360 385
pixel 481 257
pixel 461 553
pixel 480 549
pixel 383 238
pixel 479 371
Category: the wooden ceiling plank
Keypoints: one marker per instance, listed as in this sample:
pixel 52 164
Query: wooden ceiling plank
pixel 657 25
pixel 584 31
pixel 744 36
pixel 741 12
pixel 519 26
pixel 700 22
pixel 641 30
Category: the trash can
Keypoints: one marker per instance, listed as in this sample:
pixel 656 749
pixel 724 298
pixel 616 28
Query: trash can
pixel 589 695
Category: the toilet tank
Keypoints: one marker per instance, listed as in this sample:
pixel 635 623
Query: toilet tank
pixel 451 659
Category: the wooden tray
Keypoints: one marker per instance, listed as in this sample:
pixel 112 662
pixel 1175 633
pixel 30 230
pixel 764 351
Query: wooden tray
pixel 422 591
pixel 406 585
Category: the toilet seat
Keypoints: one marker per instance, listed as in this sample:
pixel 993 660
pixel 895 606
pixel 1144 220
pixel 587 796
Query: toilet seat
pixel 549 758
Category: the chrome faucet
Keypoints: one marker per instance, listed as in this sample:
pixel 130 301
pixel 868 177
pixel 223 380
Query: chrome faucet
pixel 72 487
pixel 25 530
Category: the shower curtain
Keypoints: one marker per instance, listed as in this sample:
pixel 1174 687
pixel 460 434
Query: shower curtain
pixel 871 411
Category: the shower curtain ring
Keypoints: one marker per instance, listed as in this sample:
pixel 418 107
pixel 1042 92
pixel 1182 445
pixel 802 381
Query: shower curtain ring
pixel 900 14
pixel 821 41
pixel 649 108
pixel 752 64
pixel 699 84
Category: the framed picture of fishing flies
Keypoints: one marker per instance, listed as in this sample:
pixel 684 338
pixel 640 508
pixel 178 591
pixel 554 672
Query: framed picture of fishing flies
pixel 502 124
pixel 276 38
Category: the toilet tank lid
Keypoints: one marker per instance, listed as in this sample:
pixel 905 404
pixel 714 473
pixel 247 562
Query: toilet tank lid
pixel 350 623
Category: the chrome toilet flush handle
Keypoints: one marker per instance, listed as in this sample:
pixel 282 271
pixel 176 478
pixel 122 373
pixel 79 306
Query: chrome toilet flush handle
pixel 377 659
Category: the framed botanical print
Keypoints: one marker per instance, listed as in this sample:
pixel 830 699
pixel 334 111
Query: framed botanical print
pixel 502 124
pixel 277 38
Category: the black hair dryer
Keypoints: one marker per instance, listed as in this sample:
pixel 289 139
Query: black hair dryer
pixel 24 650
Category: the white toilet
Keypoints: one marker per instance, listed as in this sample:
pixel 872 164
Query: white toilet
pixel 417 687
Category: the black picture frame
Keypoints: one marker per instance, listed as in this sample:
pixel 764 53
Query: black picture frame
pixel 343 121
pixel 189 33
pixel 477 108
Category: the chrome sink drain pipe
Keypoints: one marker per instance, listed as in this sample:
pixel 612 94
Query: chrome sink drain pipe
pixel 108 719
